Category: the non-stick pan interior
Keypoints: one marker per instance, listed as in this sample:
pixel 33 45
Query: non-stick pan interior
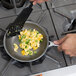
pixel 8 44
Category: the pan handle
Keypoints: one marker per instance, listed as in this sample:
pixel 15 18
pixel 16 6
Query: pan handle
pixel 52 44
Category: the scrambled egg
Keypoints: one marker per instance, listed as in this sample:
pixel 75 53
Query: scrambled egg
pixel 29 41
pixel 15 47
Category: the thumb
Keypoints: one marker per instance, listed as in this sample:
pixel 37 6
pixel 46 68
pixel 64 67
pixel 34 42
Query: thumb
pixel 46 0
pixel 58 42
pixel 34 3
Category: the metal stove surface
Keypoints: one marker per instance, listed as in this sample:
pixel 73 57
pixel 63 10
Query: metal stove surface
pixel 53 60
pixel 63 12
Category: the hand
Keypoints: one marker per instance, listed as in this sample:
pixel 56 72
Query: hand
pixel 67 44
pixel 38 1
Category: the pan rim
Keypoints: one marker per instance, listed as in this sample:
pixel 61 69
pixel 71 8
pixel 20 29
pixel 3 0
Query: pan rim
pixel 32 59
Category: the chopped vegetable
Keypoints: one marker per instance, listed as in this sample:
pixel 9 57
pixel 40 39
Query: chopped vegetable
pixel 25 46
pixel 41 40
pixel 35 52
pixel 30 52
pixel 37 32
pixel 23 52
pixel 15 47
pixel 29 41
pixel 36 40
pixel 19 40
pixel 23 36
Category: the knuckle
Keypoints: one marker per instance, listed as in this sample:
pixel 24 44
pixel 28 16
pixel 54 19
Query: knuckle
pixel 59 48
pixel 71 55
pixel 68 35
pixel 64 47
pixel 66 53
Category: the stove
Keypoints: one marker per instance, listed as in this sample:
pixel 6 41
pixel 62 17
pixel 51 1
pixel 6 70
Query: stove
pixel 63 14
pixel 55 21
pixel 37 66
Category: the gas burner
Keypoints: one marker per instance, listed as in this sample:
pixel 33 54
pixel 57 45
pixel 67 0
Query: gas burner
pixel 23 64
pixel 69 23
pixel 20 64
pixel 14 62
pixel 39 61
pixel 73 25
pixel 70 27
pixel 17 63
pixel 66 25
pixel 2 32
pixel 4 54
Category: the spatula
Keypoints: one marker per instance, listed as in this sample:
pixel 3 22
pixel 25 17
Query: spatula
pixel 15 27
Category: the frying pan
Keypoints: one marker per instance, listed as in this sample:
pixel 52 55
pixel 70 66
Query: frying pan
pixel 9 41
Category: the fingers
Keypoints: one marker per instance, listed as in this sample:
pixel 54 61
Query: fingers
pixel 58 42
pixel 63 47
pixel 34 3
pixel 60 48
pixel 67 44
pixel 69 53
pixel 72 54
pixel 46 0
pixel 38 1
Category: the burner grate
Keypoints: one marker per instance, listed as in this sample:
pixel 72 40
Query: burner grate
pixel 2 32
pixel 4 54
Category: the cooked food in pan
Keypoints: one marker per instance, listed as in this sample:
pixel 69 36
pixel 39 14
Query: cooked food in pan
pixel 15 47
pixel 29 42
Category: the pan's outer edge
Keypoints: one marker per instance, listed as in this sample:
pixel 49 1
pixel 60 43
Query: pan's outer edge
pixel 29 60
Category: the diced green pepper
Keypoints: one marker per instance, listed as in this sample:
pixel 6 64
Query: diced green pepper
pixel 37 32
pixel 23 36
pixel 21 48
pixel 19 40
pixel 35 52
pixel 41 40
pixel 28 40
pixel 36 40
pixel 30 30
pixel 25 46
pixel 30 52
